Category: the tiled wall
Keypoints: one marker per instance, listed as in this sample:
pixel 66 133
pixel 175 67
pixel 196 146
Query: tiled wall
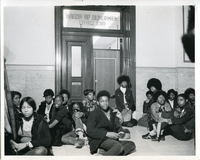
pixel 176 78
pixel 33 80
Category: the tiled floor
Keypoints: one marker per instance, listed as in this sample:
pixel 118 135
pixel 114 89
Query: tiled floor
pixel 169 147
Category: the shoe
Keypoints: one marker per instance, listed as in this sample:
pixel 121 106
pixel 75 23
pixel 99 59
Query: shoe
pixel 80 143
pixel 162 138
pixel 154 138
pixel 146 136
pixel 101 151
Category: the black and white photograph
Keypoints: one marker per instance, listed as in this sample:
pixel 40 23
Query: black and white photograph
pixel 81 79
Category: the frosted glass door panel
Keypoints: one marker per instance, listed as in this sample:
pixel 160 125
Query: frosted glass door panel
pixel 76 61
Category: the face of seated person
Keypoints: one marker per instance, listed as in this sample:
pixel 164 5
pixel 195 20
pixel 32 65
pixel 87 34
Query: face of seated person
pixel 16 100
pixel 27 110
pixel 149 96
pixel 191 97
pixel 66 98
pixel 48 99
pixel 104 102
pixel 58 102
pixel 161 99
pixel 181 101
pixel 171 96
pixel 90 96
pixel 152 89
pixel 124 84
pixel 76 108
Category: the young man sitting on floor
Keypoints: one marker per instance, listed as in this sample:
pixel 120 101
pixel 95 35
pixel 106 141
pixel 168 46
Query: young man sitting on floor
pixel 104 130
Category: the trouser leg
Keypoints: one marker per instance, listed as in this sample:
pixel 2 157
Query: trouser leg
pixel 37 151
pixel 112 147
pixel 128 146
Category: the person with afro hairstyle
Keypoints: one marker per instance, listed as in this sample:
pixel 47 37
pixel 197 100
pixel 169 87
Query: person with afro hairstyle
pixel 66 95
pixel 190 96
pixel 160 105
pixel 124 101
pixel 172 97
pixel 77 136
pixel 105 131
pixel 153 85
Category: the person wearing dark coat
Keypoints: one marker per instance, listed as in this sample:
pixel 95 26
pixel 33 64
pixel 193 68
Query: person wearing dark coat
pixel 33 135
pixel 45 108
pixel 124 100
pixel 190 96
pixel 60 123
pixel 172 98
pixel 104 130
pixel 181 126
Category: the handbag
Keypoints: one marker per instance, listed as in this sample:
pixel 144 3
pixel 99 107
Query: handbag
pixel 126 115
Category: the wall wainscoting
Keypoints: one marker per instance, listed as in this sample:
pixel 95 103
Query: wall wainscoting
pixel 33 80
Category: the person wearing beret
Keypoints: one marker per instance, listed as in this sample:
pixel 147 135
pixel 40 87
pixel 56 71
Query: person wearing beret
pixel 105 131
pixel 172 98
pixel 124 100
pixel 45 108
pixel 33 135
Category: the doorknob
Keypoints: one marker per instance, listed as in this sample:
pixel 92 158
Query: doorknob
pixel 95 81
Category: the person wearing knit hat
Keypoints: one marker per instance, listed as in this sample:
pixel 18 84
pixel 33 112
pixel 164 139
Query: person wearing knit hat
pixel 45 107
pixel 124 101
pixel 105 130
pixel 190 96
pixel 172 97
pixel 33 136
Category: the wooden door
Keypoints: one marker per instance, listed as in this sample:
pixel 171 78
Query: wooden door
pixel 106 71
pixel 77 70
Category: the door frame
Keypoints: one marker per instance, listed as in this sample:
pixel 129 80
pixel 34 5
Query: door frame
pixel 127 31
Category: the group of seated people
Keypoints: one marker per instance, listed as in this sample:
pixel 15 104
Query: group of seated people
pixel 59 121
pixel 168 113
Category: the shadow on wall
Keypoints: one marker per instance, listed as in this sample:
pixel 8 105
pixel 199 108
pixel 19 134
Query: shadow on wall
pixel 188 38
